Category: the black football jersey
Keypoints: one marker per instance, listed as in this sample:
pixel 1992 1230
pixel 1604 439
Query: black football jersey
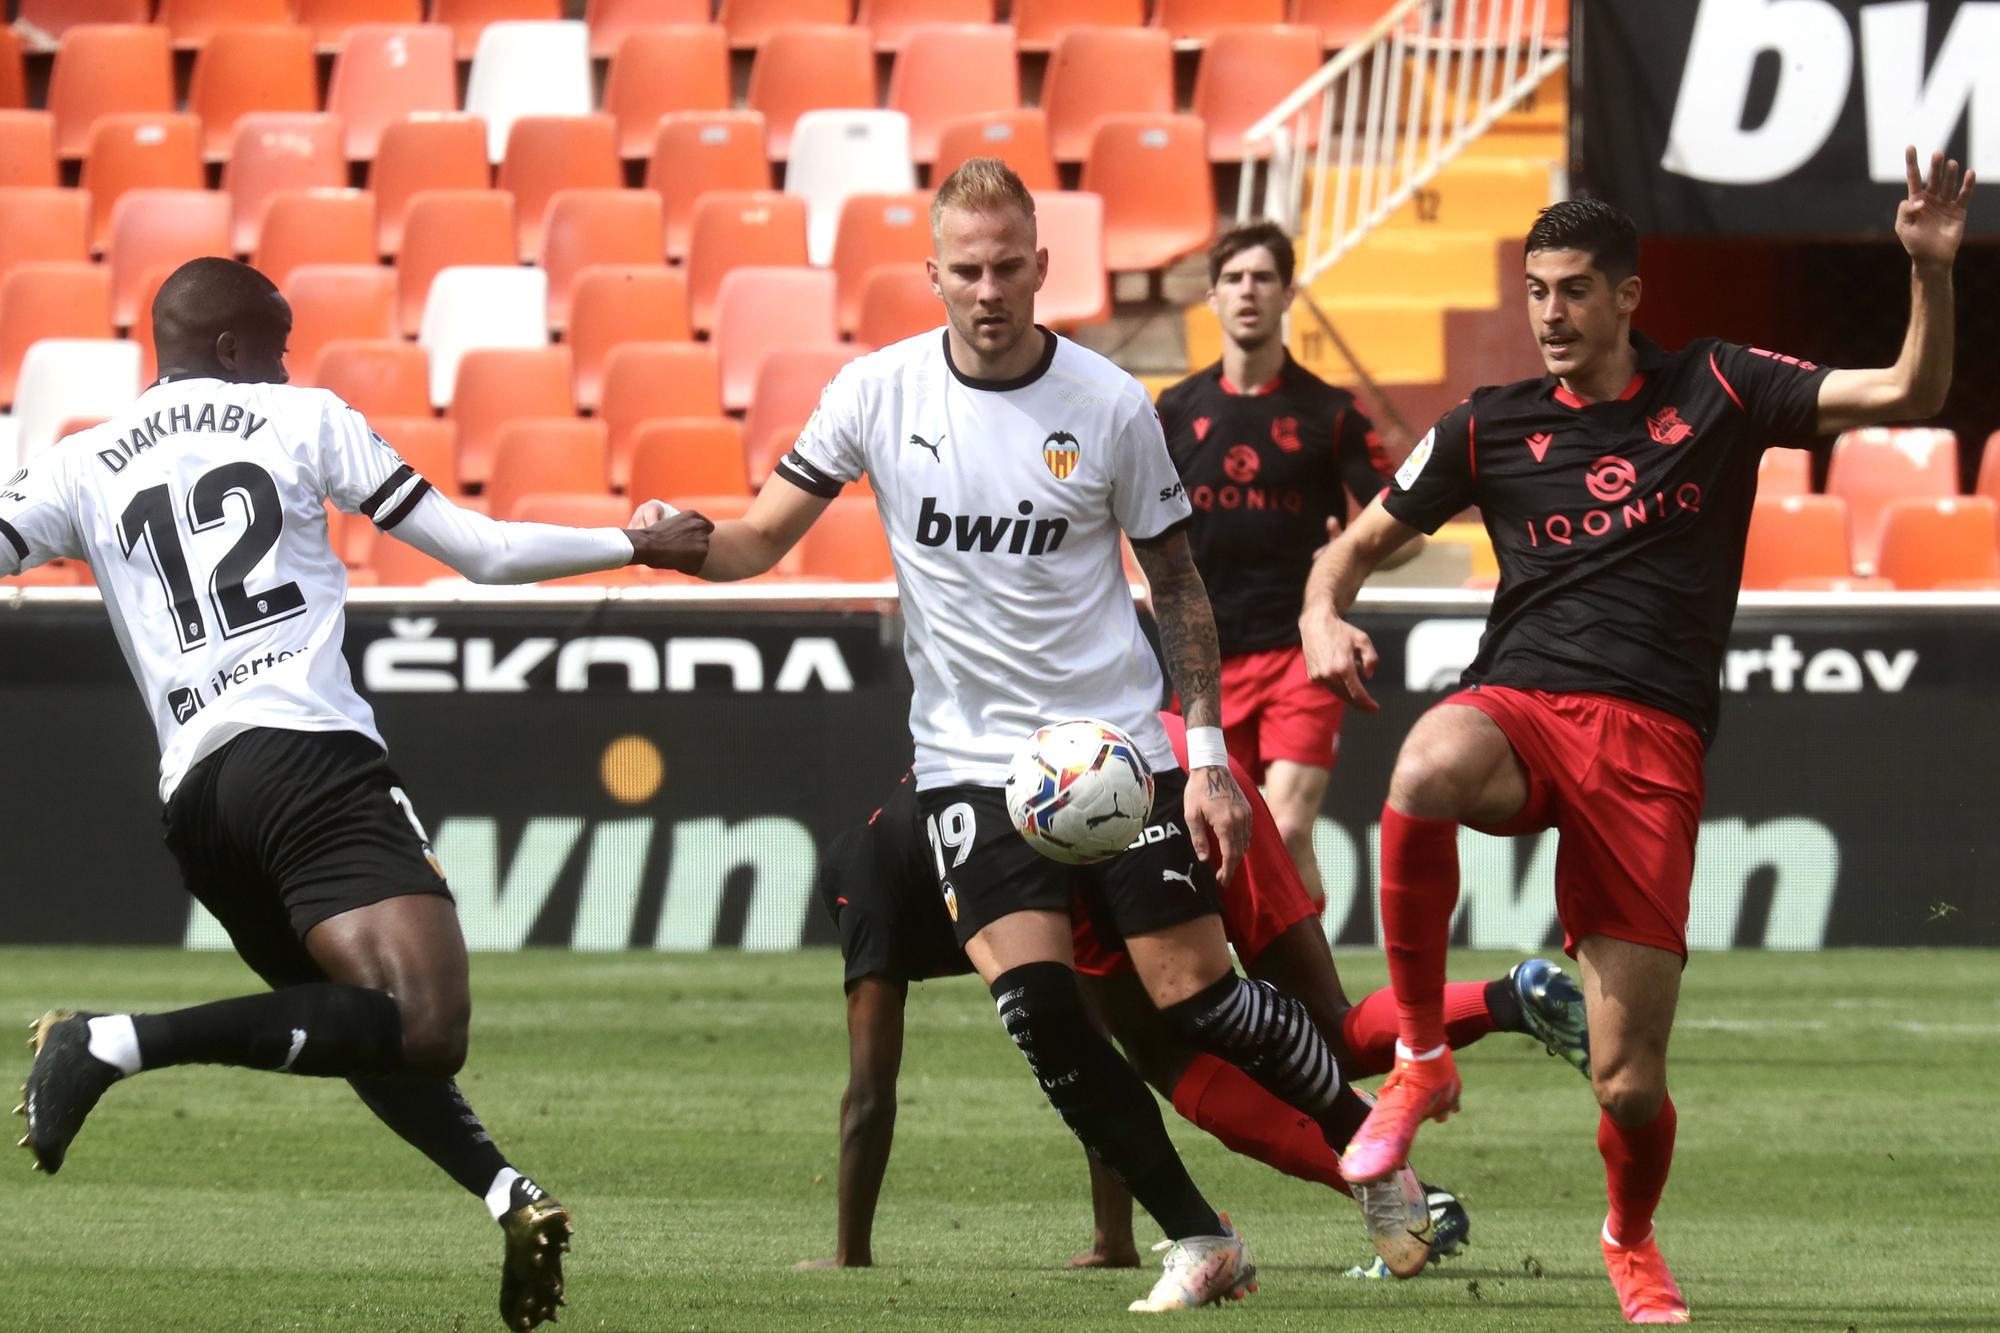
pixel 1264 470
pixel 1619 526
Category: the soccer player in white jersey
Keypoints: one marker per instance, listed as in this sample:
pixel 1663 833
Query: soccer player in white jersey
pixel 1005 462
pixel 201 511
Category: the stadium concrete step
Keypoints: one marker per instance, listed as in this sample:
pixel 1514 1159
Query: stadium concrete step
pixel 1400 342
pixel 1429 266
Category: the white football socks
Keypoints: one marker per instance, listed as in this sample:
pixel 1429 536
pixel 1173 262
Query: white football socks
pixel 115 1041
pixel 500 1194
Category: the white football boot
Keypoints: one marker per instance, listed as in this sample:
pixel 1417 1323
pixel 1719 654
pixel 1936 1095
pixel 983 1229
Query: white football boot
pixel 1200 1270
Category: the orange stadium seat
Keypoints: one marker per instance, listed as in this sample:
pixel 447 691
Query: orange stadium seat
pixel 647 380
pixel 1242 73
pixel 428 444
pixel 274 151
pixel 1340 22
pixel 246 70
pixel 732 229
pixel 315 227
pixel 1159 198
pixel 612 304
pixel 387 73
pixel 446 227
pixel 27 149
pixel 1988 483
pixel 891 22
pixel 686 456
pixel 138 151
pixel 877 229
pixel 1018 138
pixel 49 300
pixel 1071 226
pixel 587 227
pixel 1872 467
pixel 1784 472
pixel 1040 24
pixel 543 455
pixel 658 71
pixel 546 154
pixel 945 74
pixel 809 68
pixel 160 229
pixel 336 301
pixel 612 21
pixel 103 70
pixel 1795 536
pixel 1930 541
pixel 789 381
pixel 758 310
pixel 43 224
pixel 1101 72
pixel 574 509
pixel 1195 21
pixel 190 23
pixel 331 20
pixel 846 543
pixel 749 22
pixel 468 18
pixel 54 18
pixel 896 303
pixel 496 385
pixel 696 152
pixel 13 71
pixel 381 377
pixel 430 153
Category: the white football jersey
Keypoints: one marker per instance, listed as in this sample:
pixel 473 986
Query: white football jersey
pixel 1003 501
pixel 201 511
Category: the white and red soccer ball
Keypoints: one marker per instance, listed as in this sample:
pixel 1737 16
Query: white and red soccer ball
pixel 1079 791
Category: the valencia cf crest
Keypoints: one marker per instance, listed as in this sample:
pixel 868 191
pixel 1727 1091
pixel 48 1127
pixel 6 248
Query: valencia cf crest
pixel 1285 433
pixel 1061 452
pixel 1667 427
pixel 1201 425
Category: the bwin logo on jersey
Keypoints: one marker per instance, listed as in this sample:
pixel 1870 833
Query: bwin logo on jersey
pixel 991 532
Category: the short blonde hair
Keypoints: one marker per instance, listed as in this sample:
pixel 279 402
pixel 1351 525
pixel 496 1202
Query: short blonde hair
pixel 981 185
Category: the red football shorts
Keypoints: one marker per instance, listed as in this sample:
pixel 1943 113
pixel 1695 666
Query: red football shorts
pixel 1272 710
pixel 1622 784
pixel 1262 900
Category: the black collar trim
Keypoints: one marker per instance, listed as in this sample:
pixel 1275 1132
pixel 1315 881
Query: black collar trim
pixel 1021 381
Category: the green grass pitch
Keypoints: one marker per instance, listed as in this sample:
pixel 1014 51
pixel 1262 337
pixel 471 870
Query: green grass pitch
pixel 1836 1166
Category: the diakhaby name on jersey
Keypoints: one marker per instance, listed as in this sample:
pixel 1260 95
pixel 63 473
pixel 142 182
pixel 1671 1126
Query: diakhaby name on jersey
pixel 233 419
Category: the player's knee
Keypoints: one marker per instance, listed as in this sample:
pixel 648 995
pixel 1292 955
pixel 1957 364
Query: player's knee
pixel 1428 783
pixel 435 1036
pixel 1630 1092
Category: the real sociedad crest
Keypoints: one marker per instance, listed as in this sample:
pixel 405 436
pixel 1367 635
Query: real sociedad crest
pixel 1061 451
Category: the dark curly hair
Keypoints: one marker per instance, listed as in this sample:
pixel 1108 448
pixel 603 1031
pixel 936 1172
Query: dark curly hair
pixel 1590 225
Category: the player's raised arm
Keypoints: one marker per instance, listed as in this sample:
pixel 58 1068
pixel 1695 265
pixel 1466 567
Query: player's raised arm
pixel 1339 655
pixel 745 547
pixel 1930 223
pixel 1194 668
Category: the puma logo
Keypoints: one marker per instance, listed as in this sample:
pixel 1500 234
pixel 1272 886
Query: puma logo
pixel 298 1044
pixel 1187 879
pixel 1095 820
pixel 923 443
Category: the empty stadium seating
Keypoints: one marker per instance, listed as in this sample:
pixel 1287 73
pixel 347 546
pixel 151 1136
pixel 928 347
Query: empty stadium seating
pixel 332 302
pixel 1871 468
pixel 657 71
pixel 643 381
pixel 1795 536
pixel 612 305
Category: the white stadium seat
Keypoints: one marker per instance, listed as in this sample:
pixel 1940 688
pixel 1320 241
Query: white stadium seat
pixel 475 305
pixel 839 153
pixel 528 69
pixel 63 378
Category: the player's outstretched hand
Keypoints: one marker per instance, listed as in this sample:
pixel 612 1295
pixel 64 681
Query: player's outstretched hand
pixel 1340 657
pixel 678 542
pixel 1931 221
pixel 1106 1256
pixel 1216 808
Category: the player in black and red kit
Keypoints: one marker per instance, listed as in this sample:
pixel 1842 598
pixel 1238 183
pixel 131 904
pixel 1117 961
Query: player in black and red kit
pixel 1269 454
pixel 1617 492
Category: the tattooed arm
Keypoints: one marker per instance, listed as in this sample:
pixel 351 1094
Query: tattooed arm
pixel 1194 666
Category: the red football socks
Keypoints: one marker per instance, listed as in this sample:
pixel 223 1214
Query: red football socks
pixel 1222 1100
pixel 1370 1027
pixel 1636 1161
pixel 1419 891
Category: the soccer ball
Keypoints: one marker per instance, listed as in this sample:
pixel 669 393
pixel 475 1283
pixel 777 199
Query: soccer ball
pixel 1079 791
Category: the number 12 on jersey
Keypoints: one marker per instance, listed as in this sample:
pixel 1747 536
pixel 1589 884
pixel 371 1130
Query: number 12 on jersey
pixel 149 520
